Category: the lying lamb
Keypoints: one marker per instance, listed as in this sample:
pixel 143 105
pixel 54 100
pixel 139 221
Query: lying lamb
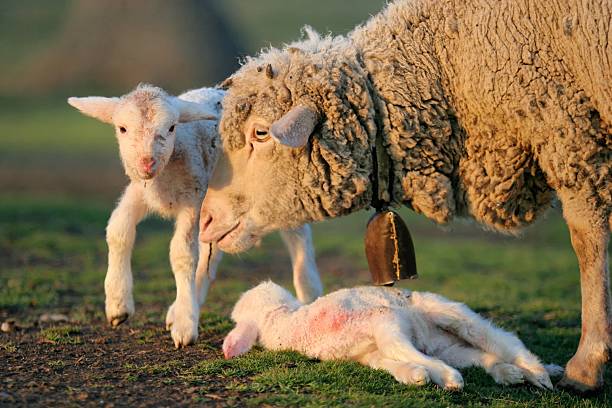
pixel 415 336
pixel 169 162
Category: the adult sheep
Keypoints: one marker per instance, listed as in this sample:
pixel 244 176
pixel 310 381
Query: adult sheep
pixel 484 110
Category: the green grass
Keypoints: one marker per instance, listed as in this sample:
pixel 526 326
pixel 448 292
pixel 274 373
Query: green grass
pixel 54 255
pixel 62 335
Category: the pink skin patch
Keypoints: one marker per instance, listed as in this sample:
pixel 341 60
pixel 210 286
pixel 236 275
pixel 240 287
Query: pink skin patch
pixel 329 320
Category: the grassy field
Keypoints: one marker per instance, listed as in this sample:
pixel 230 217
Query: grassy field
pixel 52 260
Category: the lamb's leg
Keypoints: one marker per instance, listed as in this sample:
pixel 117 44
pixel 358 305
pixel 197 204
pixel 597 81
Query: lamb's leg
pixel 184 258
pixel 305 274
pixel 406 373
pixel 206 273
pixel 460 320
pixel 394 344
pixel 590 235
pixel 120 236
pixel 460 356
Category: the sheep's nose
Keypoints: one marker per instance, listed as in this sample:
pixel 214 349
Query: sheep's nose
pixel 147 164
pixel 206 220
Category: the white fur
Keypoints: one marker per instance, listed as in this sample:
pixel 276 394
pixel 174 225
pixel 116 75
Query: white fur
pixel 416 336
pixel 173 187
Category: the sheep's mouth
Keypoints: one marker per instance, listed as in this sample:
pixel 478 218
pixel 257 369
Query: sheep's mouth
pixel 230 234
pixel 237 239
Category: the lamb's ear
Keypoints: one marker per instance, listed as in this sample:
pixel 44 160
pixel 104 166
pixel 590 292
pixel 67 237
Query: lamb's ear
pixel 97 107
pixel 240 340
pixel 191 111
pixel 295 127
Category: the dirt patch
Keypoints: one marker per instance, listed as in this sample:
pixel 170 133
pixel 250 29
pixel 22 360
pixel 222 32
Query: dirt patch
pixel 97 365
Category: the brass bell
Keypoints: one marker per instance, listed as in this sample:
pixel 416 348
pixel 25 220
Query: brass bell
pixel 389 249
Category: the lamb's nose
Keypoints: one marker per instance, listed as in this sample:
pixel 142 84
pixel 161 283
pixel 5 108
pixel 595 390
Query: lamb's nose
pixel 147 164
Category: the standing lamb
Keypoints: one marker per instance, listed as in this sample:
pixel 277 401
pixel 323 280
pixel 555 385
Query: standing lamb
pixel 168 149
pixel 415 336
pixel 487 111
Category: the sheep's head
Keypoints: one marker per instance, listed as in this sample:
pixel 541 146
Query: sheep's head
pixel 296 131
pixel 146 121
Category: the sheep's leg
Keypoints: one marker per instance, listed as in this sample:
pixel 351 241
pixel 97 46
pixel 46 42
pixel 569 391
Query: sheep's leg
pixel 463 322
pixel 306 278
pixel 406 373
pixel 590 235
pixel 206 273
pixel 120 236
pixel 394 344
pixel 184 258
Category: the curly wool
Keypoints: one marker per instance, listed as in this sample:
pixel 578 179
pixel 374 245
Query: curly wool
pixel 477 110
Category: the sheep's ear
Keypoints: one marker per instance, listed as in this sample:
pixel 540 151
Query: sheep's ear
pixel 240 340
pixel 97 107
pixel 295 127
pixel 191 111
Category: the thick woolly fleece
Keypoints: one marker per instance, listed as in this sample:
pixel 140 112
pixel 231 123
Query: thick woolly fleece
pixel 484 107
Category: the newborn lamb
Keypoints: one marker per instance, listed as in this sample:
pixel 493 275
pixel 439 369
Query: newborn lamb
pixel 416 336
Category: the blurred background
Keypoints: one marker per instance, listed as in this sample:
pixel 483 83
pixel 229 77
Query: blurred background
pixel 50 50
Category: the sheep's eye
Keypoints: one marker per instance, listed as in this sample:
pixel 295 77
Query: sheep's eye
pixel 171 129
pixel 122 129
pixel 260 134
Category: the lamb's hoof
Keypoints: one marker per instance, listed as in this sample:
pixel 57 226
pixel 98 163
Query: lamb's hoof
pixel 538 377
pixel 453 381
pixel 184 332
pixel 411 374
pixel 170 317
pixel 507 374
pixel 554 370
pixel 118 312
pixel 117 320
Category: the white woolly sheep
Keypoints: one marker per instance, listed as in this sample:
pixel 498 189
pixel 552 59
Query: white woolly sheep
pixel 483 111
pixel 168 148
pixel 415 336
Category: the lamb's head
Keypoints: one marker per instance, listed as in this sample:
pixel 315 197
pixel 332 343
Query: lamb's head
pixel 146 122
pixel 296 133
pixel 250 313
pixel 256 303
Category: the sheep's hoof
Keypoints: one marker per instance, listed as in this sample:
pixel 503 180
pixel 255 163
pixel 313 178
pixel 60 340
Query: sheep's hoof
pixel 577 386
pixel 582 375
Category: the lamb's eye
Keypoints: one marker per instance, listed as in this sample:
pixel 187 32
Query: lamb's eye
pixel 260 134
pixel 171 129
pixel 122 129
